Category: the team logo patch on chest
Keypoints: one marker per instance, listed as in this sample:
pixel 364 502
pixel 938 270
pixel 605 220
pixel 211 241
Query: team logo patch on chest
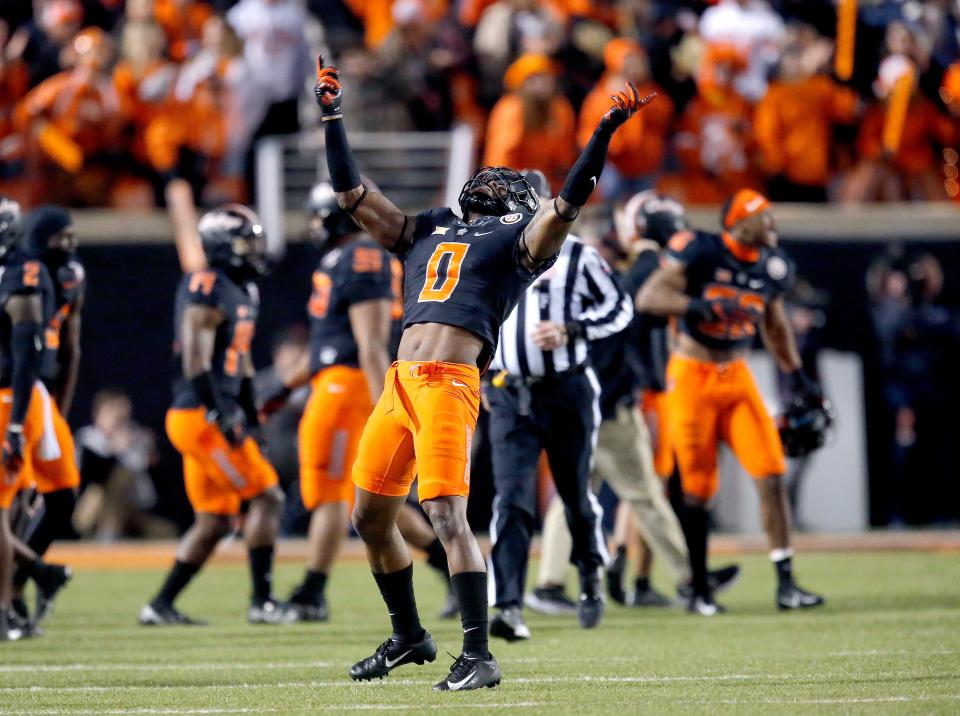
pixel 511 218
pixel 440 231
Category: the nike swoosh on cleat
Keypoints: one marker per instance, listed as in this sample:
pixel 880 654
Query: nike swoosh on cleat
pixel 457 685
pixel 390 664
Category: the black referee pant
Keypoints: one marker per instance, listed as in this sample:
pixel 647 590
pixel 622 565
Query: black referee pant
pixel 559 415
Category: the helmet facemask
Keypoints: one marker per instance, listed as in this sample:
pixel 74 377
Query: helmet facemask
pixel 496 191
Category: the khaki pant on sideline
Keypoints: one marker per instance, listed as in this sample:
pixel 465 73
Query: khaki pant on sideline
pixel 624 460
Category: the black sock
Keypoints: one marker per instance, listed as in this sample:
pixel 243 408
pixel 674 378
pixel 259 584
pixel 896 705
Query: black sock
pixel 314 582
pixel 437 558
pixel 643 584
pixel 178 578
pixel 696 524
pixel 261 571
pixel 784 569
pixel 397 591
pixel 470 589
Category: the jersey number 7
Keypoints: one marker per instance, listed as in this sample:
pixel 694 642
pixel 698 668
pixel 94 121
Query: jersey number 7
pixel 446 258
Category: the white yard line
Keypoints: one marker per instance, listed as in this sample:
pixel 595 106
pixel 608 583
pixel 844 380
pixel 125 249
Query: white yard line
pixel 306 709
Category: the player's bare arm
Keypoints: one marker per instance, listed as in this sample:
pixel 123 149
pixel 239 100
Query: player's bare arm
pixel 68 358
pixel 376 214
pixel 778 337
pixel 198 334
pixel 546 232
pixel 370 323
pixel 26 318
pixel 664 293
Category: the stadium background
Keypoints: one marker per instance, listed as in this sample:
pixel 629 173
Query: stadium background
pixel 425 67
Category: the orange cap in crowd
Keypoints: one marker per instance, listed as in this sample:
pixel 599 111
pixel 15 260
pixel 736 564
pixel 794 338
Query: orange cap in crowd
pixel 742 205
pixel 616 52
pixel 525 66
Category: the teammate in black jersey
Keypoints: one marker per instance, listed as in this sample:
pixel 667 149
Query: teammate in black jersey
pixel 462 279
pixel 723 289
pixel 26 298
pixel 214 414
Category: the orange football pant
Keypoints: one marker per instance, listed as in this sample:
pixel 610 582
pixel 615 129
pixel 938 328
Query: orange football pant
pixel 422 425
pixel 329 434
pixel 33 427
pixel 653 405
pixel 61 473
pixel 708 402
pixel 218 476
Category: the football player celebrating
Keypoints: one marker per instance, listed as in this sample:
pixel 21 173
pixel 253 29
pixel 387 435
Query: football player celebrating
pixel 214 413
pixel 462 278
pixel 26 298
pixel 49 237
pixel 722 288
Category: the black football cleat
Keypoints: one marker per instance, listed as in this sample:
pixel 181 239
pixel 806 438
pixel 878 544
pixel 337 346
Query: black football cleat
pixel 719 580
pixel 51 579
pixel 551 601
pixel 468 673
pixel 304 606
pixel 11 626
pixel 790 596
pixel 703 605
pixel 451 608
pixel 509 625
pixel 269 611
pixel 392 653
pixel 615 576
pixel 161 614
pixel 590 608
pixel 648 597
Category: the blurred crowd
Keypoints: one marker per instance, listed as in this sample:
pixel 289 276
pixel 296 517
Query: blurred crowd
pixel 102 102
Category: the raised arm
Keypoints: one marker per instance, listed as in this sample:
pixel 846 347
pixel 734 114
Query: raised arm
pixel 546 232
pixel 376 214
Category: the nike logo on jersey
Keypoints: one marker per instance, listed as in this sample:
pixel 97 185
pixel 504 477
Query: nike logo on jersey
pixel 593 183
pixel 390 664
pixel 458 384
pixel 483 234
pixel 457 685
pixel 440 230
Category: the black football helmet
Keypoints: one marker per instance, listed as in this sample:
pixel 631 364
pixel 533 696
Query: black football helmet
pixel 538 180
pixel 804 425
pixel 9 225
pixel 48 236
pixel 233 239
pixel 496 191
pixel 655 217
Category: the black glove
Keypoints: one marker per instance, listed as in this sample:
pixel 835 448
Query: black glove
pixel 13 451
pixel 721 309
pixel 231 423
pixel 328 91
pixel 804 387
pixel 625 105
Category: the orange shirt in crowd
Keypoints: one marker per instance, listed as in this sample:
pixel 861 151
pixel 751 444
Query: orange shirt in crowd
pixel 551 148
pixel 14 81
pixel 83 107
pixel 138 111
pixel 925 125
pixel 793 127
pixel 638 146
pixel 377 16
pixel 182 22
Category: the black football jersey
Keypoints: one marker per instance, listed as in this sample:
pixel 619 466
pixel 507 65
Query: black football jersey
pixel 465 275
pixel 20 276
pixel 239 305
pixel 69 284
pixel 358 272
pixel 713 272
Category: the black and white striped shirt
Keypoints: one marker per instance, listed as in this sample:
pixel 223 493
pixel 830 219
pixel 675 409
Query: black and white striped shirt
pixel 579 288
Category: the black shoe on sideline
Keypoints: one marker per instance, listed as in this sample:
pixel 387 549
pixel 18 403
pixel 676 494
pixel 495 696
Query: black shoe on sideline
pixel 467 674
pixel 52 578
pixel 451 609
pixel 392 653
pixel 160 614
pixel 551 601
pixel 590 608
pixel 615 577
pixel 790 596
pixel 509 625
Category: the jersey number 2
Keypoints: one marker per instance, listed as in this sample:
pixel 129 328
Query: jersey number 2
pixel 431 291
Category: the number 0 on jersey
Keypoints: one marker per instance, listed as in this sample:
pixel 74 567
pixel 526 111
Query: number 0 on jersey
pixel 450 254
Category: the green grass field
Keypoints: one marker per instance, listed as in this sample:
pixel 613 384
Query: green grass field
pixel 888 641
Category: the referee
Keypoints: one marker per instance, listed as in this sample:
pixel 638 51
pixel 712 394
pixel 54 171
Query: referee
pixel 544 396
